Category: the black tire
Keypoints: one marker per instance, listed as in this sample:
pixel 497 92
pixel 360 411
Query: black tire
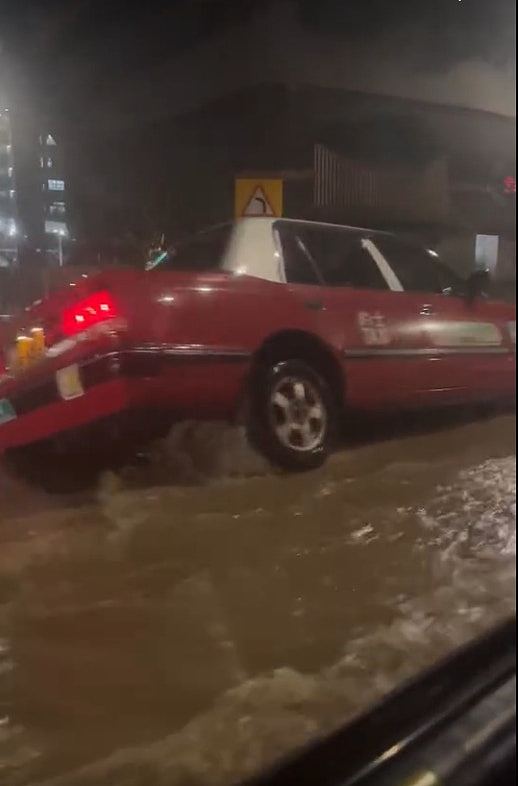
pixel 306 444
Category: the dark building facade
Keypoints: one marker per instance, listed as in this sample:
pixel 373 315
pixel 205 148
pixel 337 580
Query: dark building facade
pixel 9 225
pixel 441 172
pixel 34 228
pixel 52 182
pixel 33 193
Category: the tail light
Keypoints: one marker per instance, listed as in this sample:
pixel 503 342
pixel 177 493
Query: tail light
pixel 92 310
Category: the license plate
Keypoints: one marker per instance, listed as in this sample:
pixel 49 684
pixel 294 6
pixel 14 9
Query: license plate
pixel 29 348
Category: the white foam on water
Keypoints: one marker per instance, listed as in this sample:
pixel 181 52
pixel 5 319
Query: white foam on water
pixel 268 715
pixel 466 531
pixel 478 510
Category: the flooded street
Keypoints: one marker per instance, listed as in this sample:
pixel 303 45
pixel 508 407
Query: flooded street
pixel 191 619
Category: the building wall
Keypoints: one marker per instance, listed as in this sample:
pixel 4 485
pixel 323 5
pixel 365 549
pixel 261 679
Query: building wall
pixel 53 187
pixel 506 267
pixel 37 163
pixel 181 169
pixel 8 212
pixel 458 251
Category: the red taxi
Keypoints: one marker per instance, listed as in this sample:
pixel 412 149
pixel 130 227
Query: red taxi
pixel 285 323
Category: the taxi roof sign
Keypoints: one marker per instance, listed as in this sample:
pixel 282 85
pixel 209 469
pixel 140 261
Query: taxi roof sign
pixel 258 197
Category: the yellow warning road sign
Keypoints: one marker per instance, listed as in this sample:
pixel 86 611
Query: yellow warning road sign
pixel 258 197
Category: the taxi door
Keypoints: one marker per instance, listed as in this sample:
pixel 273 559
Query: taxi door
pixel 464 341
pixel 359 307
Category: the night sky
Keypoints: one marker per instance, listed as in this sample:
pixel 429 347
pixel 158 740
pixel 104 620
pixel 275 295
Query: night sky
pixel 64 48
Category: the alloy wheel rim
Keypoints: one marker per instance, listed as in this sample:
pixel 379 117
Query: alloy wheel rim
pixel 297 414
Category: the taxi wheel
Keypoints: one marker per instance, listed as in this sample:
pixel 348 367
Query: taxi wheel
pixel 292 415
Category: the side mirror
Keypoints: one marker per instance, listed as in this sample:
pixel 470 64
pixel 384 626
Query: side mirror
pixel 477 284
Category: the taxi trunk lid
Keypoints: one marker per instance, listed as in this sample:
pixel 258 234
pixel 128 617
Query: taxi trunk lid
pixel 32 332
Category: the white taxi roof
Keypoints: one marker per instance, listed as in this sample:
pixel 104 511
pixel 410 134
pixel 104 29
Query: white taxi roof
pixel 254 249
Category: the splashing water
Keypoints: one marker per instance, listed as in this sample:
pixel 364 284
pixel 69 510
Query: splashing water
pixel 196 617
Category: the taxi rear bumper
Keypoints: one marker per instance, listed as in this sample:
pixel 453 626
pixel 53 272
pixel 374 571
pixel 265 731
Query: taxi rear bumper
pixel 180 384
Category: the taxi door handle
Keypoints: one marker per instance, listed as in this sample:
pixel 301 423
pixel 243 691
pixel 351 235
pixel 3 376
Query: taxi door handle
pixel 427 311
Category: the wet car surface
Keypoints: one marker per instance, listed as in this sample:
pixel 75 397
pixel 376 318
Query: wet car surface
pixel 197 617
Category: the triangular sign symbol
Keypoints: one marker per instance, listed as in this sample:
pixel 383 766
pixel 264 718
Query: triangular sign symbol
pixel 258 204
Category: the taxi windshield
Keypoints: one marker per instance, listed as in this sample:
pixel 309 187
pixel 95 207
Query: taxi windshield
pixel 203 251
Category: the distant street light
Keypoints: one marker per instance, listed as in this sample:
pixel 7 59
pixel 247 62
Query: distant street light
pixel 61 234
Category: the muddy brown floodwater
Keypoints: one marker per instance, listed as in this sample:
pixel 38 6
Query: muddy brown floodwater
pixel 191 619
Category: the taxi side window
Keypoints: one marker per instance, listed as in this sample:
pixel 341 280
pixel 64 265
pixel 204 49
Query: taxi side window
pixel 415 267
pixel 328 256
pixel 342 260
pixel 299 265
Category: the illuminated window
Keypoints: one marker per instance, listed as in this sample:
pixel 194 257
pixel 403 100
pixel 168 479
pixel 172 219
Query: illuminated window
pixel 56 185
pixel 486 252
pixel 56 228
pixel 8 227
pixel 57 209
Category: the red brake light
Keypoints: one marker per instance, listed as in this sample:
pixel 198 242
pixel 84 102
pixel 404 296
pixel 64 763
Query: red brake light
pixel 88 312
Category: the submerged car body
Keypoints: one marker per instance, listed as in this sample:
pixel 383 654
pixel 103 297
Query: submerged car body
pixel 299 318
